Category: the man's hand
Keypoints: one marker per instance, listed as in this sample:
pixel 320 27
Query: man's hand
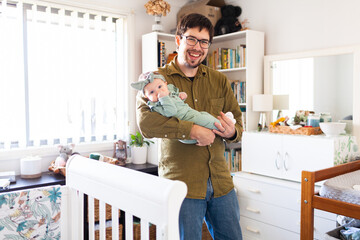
pixel 204 136
pixel 226 128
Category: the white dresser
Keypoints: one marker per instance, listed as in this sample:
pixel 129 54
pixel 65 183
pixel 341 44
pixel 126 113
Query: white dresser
pixel 268 188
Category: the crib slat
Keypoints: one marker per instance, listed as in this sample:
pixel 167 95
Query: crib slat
pixel 91 221
pixel 144 229
pixel 77 199
pixel 129 226
pixel 115 223
pixel 81 214
pixel 160 232
pixel 102 220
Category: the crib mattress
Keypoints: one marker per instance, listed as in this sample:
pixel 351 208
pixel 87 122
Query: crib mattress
pixel 343 188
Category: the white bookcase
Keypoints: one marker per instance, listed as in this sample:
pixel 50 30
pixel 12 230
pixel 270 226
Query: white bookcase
pixel 252 74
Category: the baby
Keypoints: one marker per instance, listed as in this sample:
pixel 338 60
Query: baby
pixel 168 101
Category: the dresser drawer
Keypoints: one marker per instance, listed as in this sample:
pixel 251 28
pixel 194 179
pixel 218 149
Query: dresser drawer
pixel 273 191
pixel 257 230
pixel 270 214
pixel 284 194
pixel 281 217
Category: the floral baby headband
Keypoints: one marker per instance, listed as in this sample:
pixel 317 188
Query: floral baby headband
pixel 146 78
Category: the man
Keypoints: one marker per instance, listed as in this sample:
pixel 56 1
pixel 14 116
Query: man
pixel 202 166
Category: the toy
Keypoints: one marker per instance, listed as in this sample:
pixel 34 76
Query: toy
pixel 65 152
pixel 228 22
pixel 120 152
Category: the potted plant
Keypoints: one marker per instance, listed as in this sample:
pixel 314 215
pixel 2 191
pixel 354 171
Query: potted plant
pixel 139 146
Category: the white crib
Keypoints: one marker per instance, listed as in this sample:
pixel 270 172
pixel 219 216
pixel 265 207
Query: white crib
pixel 152 199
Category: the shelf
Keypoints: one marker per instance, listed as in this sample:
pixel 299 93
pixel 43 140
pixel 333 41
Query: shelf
pixel 165 36
pixel 230 36
pixel 232 69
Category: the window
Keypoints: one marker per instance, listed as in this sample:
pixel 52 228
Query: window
pixel 63 75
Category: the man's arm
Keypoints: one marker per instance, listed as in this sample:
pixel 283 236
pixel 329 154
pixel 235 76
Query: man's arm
pixel 152 124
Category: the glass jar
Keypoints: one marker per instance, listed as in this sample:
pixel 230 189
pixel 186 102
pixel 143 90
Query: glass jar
pixel 325 117
pixel 313 120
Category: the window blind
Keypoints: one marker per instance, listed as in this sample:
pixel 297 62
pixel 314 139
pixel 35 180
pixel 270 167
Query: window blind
pixel 63 75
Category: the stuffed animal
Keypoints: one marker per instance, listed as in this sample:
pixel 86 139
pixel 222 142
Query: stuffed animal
pixel 228 22
pixel 65 152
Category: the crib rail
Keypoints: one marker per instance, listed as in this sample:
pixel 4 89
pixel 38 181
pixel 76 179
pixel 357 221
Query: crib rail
pixel 152 199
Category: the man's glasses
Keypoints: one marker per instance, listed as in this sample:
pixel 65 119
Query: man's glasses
pixel 192 41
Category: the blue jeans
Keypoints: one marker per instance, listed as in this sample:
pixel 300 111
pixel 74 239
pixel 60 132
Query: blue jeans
pixel 222 216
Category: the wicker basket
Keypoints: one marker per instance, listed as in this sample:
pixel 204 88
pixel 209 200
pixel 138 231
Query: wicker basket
pixel 107 211
pixel 300 131
pixel 109 233
pixel 136 233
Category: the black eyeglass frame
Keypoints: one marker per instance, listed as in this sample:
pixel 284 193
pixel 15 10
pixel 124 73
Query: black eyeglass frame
pixel 197 41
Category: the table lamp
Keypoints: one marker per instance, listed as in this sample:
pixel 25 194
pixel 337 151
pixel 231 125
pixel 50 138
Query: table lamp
pixel 262 103
pixel 280 102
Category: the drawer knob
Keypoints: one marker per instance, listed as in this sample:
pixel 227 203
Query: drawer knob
pixel 252 210
pixel 252 230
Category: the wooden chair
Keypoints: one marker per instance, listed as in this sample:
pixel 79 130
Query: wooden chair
pixel 311 200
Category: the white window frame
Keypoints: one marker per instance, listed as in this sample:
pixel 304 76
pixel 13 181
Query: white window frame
pixel 49 151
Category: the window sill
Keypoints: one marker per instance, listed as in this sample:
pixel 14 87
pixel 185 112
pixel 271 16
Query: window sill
pixel 44 151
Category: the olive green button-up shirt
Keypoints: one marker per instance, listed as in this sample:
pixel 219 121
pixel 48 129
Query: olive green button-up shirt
pixel 210 91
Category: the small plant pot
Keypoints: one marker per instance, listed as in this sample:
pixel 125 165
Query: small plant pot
pixel 138 155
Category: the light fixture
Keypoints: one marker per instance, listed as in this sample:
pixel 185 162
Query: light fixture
pixel 280 102
pixel 262 103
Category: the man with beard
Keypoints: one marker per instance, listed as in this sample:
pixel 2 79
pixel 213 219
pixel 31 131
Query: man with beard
pixel 202 166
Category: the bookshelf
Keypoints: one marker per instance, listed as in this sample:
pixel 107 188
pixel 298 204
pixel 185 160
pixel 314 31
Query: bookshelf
pixel 251 74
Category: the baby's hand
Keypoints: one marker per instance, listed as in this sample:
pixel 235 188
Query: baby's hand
pixel 182 95
pixel 164 92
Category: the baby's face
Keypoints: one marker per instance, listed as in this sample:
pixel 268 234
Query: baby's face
pixel 156 89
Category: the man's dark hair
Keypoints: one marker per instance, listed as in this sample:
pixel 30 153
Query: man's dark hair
pixel 194 20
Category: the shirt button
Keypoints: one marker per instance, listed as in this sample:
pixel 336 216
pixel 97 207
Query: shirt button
pixel 165 135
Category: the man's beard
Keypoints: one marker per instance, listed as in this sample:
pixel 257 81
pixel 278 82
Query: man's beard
pixel 192 66
pixel 189 61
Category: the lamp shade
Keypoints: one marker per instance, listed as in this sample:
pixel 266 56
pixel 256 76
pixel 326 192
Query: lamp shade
pixel 281 102
pixel 262 103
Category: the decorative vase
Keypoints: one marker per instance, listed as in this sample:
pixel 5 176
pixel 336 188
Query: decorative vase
pixel 157 27
pixel 138 155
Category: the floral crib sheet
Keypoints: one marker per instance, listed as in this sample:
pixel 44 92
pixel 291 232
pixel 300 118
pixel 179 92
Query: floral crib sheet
pixel 31 214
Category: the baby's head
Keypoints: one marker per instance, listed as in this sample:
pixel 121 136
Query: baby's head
pixel 151 84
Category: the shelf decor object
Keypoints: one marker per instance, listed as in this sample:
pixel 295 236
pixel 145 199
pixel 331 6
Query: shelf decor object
pixel 157 8
pixel 262 103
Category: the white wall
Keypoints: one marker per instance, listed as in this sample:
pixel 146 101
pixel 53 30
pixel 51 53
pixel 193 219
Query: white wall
pixel 297 25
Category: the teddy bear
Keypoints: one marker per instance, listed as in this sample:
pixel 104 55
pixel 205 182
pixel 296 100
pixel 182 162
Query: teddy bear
pixel 65 152
pixel 228 22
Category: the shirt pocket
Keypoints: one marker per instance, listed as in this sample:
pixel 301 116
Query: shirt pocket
pixel 216 106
